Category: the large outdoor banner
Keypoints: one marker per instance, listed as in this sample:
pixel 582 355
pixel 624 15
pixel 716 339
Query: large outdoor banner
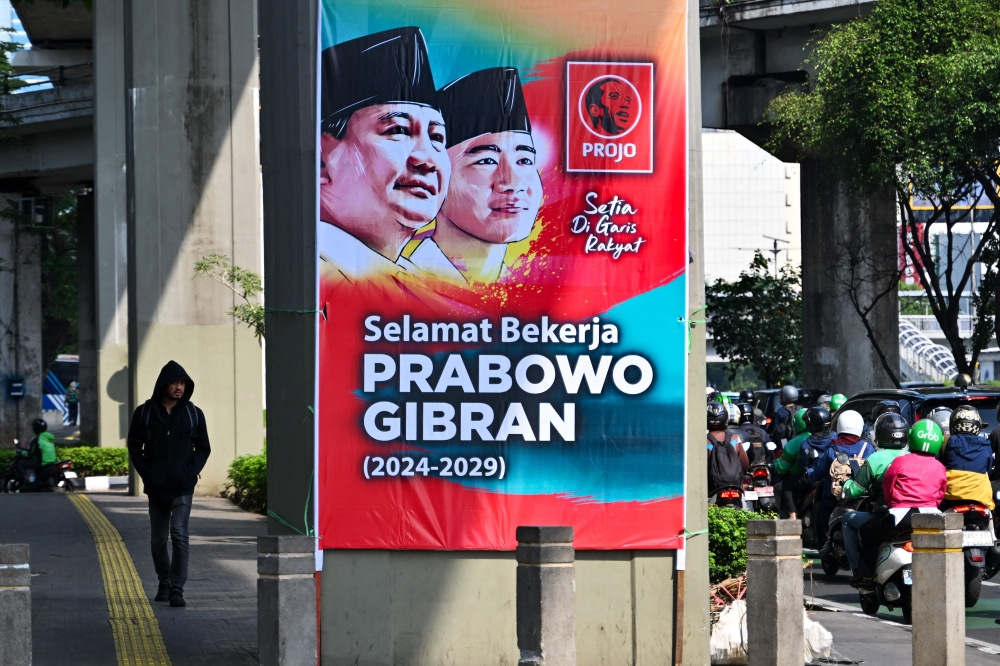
pixel 502 247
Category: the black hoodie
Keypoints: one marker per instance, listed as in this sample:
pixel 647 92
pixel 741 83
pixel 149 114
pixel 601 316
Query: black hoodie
pixel 169 450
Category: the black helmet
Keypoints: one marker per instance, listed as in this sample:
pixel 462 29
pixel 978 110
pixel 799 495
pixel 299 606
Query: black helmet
pixel 885 407
pixel 718 416
pixel 713 395
pixel 965 420
pixel 746 413
pixel 747 396
pixel 789 394
pixel 39 426
pixel 818 419
pixel 891 431
pixel 963 381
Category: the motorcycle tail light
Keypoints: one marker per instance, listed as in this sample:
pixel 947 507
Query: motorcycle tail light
pixel 760 472
pixel 977 558
pixel 965 508
pixel 729 494
pixel 908 546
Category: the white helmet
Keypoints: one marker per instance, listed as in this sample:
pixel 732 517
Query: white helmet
pixel 850 423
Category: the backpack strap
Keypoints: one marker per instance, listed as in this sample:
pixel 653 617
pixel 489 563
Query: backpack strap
pixel 192 413
pixel 862 451
pixel 714 441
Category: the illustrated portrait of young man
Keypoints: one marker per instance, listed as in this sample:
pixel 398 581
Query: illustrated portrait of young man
pixel 384 167
pixel 611 106
pixel 495 189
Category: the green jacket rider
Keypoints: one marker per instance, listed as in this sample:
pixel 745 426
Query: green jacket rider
pixel 869 478
pixel 788 462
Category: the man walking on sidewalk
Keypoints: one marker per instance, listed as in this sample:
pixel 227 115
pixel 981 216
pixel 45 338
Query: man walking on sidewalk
pixel 168 446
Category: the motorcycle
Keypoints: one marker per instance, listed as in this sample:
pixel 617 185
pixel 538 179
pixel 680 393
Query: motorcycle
pixel 729 496
pixel 49 478
pixel 977 538
pixel 758 488
pixel 893 577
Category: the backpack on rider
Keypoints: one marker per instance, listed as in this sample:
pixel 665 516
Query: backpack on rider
pixel 724 466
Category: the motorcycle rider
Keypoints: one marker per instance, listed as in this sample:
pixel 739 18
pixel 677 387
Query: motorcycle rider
pixel 883 407
pixel 748 396
pixel 718 437
pixel 781 423
pixel 788 468
pixel 942 416
pixel 891 431
pixel 818 423
pixel 749 425
pixel 837 401
pixel 848 440
pixel 968 459
pixel 915 481
pixel 41 451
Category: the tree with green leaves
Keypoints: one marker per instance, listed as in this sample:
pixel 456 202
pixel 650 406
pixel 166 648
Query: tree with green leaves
pixel 757 321
pixel 245 284
pixel 909 98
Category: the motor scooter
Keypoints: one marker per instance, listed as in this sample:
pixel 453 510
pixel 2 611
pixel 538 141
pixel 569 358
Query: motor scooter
pixel 977 538
pixel 893 577
pixel 49 478
pixel 729 495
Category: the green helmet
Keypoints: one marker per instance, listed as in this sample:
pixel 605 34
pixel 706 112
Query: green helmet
pixel 799 422
pixel 837 401
pixel 723 398
pixel 926 437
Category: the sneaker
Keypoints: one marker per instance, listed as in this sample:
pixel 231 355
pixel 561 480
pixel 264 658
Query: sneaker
pixel 863 584
pixel 177 598
pixel 163 592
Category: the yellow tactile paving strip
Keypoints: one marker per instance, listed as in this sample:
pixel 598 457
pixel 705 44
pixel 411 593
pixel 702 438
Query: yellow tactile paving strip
pixel 138 641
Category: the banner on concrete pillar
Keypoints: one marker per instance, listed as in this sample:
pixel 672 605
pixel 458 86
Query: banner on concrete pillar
pixel 502 249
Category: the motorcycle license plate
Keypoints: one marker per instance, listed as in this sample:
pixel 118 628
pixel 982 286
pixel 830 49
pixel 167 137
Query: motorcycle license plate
pixel 765 491
pixel 981 538
pixel 749 495
pixel 907 577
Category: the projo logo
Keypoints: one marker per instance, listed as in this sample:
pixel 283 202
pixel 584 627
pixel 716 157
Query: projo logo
pixel 609 116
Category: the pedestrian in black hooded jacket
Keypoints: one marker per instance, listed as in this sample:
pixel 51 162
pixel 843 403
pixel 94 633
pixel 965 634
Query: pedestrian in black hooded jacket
pixel 168 446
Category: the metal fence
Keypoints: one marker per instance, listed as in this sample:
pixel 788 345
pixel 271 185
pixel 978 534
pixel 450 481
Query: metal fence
pixel 929 359
pixel 12 82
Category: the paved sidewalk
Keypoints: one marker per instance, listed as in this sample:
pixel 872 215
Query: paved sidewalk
pixel 69 610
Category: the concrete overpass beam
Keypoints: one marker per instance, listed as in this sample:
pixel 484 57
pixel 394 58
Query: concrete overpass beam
pixel 847 240
pixel 193 187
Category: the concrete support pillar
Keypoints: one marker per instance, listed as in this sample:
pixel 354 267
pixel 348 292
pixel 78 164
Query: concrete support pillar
pixel 21 320
pixel 286 600
pixel 86 322
pixel 849 242
pixel 774 593
pixel 15 605
pixel 110 238
pixel 193 187
pixel 938 600
pixel 546 596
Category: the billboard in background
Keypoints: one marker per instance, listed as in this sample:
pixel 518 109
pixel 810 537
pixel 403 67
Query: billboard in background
pixel 502 250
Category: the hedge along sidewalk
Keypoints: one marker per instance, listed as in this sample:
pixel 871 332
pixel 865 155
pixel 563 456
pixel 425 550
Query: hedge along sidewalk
pixel 96 469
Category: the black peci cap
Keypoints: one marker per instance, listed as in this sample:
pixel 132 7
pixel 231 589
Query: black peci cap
pixel 487 101
pixel 385 67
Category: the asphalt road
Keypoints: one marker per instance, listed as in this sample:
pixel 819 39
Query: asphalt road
pixel 979 620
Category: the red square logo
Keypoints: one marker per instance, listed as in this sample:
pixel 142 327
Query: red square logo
pixel 609 117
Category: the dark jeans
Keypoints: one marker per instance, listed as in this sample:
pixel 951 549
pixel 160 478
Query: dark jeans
pixel 821 517
pixel 880 528
pixel 74 408
pixel 170 517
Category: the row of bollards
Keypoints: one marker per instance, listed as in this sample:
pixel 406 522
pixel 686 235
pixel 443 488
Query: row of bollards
pixel 546 596
pixel 775 591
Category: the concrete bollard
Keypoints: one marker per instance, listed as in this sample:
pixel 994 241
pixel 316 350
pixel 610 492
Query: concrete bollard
pixel 286 600
pixel 15 605
pixel 775 633
pixel 938 594
pixel 546 596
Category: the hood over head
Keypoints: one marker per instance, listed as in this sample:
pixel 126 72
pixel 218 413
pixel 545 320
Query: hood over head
pixel 170 372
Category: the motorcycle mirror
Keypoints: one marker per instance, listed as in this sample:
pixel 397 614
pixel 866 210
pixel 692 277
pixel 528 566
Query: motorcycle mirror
pixel 814 454
pixel 771 446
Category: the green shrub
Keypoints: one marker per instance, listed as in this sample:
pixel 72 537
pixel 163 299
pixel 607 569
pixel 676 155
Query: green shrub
pixel 727 541
pixel 6 455
pixel 247 483
pixel 89 461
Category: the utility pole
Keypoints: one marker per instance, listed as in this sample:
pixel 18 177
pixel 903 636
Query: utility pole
pixel 775 252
